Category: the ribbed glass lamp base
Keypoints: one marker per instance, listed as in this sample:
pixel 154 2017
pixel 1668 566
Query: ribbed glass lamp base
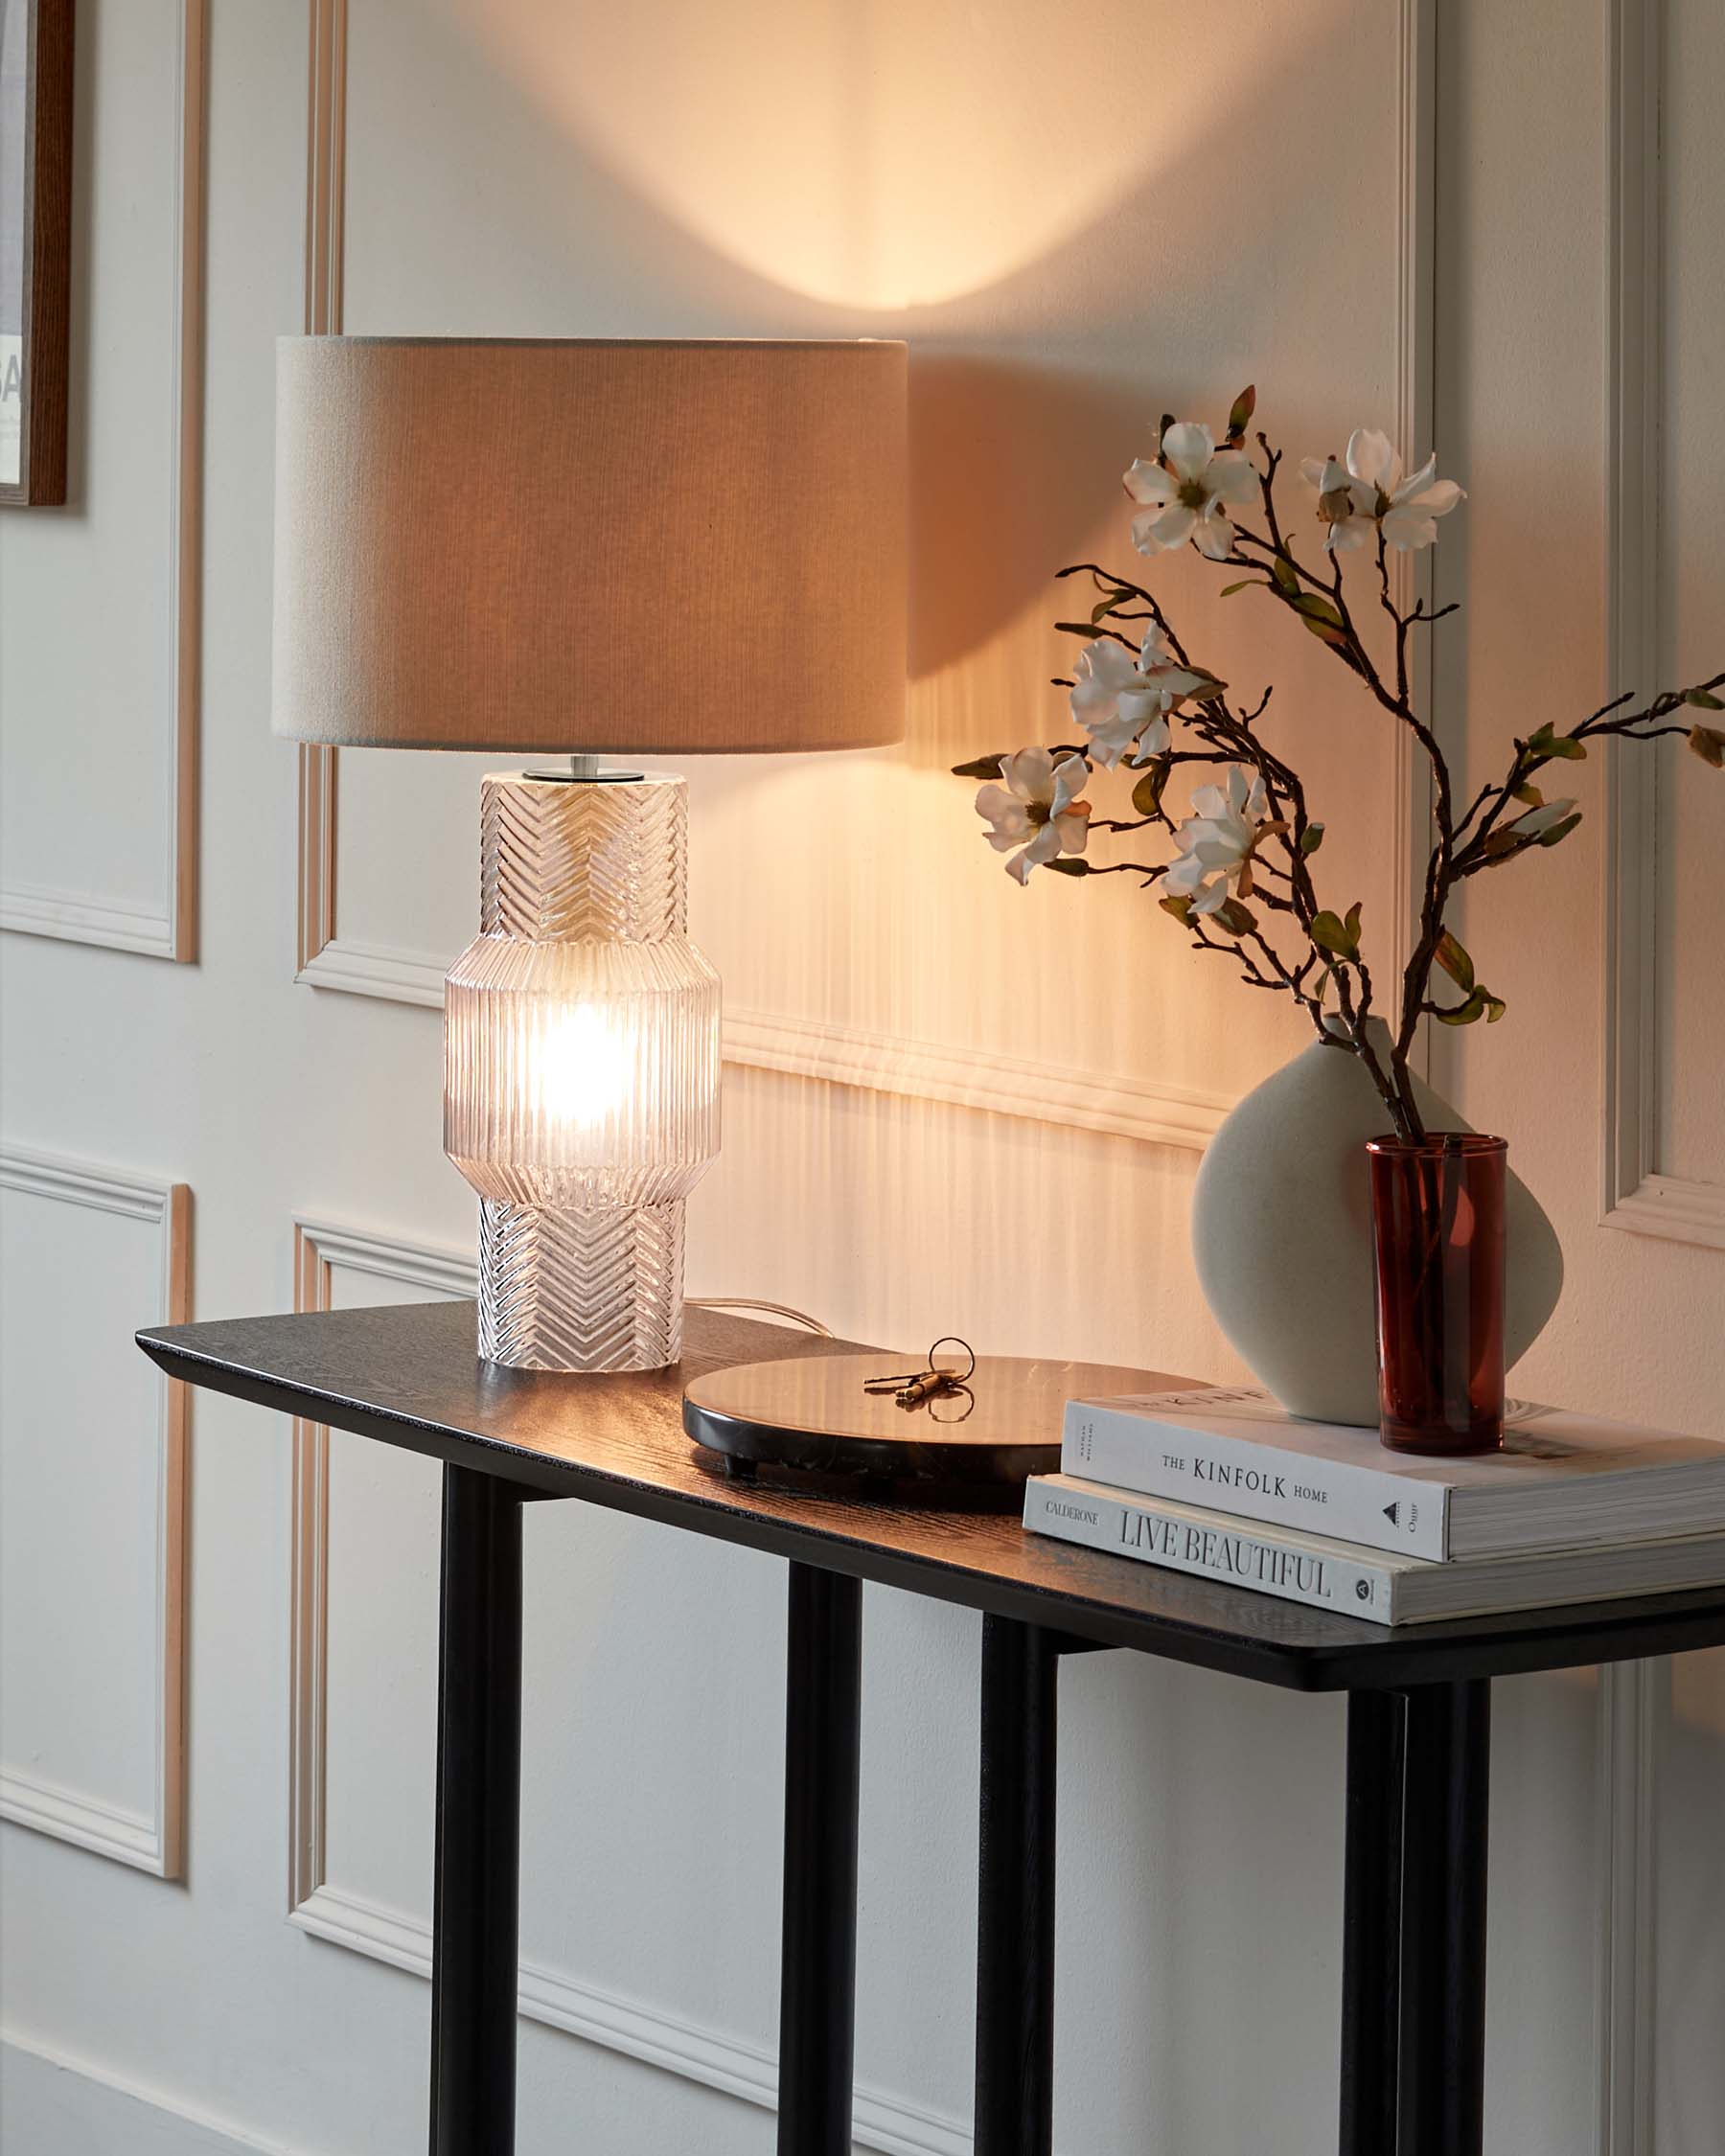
pixel 595 1289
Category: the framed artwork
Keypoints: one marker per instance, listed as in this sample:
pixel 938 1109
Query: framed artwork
pixel 36 247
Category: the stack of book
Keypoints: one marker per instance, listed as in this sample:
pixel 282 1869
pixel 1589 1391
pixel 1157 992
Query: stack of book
pixel 1222 1483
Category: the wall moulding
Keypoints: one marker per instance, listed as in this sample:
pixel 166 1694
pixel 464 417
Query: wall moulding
pixel 1634 1697
pixel 1634 1194
pixel 85 916
pixel 151 1840
pixel 347 1917
pixel 1416 336
pixel 1142 1108
pixel 317 1248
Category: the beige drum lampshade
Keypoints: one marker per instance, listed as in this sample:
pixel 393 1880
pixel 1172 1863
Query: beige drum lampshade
pixel 589 544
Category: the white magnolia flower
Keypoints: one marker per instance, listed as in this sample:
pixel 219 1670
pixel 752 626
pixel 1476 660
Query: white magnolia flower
pixel 1369 491
pixel 1188 494
pixel 1217 841
pixel 1345 506
pixel 1036 810
pixel 1122 702
pixel 1541 819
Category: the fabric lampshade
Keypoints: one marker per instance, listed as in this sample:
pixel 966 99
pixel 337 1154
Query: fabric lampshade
pixel 586 544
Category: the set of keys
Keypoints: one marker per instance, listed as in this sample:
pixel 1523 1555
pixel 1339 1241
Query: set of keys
pixel 911 1389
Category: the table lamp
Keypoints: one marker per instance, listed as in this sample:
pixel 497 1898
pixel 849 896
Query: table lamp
pixel 590 548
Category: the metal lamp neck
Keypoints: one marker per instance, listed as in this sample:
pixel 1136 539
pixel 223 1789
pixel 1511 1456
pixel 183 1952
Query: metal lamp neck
pixel 584 768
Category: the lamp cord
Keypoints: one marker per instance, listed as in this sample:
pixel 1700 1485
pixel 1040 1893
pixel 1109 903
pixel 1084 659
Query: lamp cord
pixel 775 1309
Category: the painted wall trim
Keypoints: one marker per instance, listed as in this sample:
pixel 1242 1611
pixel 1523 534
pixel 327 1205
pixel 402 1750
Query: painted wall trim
pixel 1634 1195
pixel 85 916
pixel 317 1246
pixel 1417 348
pixel 345 1919
pixel 705 2056
pixel 326 185
pixel 152 1842
pixel 1156 1113
pixel 1632 1696
pixel 49 2089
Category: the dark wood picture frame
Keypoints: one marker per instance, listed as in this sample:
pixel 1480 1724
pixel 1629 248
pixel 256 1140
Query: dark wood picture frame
pixel 36 204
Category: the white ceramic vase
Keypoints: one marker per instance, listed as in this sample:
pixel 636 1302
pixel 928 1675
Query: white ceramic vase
pixel 1281 1232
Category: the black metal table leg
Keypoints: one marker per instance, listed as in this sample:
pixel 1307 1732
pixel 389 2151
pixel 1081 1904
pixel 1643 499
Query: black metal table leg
pixel 1371 1923
pixel 475 1918
pixel 1448 1776
pixel 479 1818
pixel 817 1968
pixel 1015 1895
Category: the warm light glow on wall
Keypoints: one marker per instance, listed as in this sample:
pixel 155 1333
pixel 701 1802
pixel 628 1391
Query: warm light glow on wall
pixel 878 153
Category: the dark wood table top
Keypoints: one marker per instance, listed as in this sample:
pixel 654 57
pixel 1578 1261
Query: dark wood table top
pixel 407 1375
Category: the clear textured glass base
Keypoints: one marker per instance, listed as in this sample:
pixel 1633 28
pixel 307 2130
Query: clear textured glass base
pixel 600 1289
pixel 581 1073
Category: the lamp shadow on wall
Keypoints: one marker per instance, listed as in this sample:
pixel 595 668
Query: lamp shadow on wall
pixel 1011 452
pixel 1004 454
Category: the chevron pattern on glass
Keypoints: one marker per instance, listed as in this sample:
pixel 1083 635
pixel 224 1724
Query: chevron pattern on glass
pixel 599 1290
pixel 560 860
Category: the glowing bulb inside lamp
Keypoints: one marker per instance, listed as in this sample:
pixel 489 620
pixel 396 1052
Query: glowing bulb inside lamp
pixel 582 1068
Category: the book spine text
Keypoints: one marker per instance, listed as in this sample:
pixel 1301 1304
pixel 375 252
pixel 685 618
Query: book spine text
pixel 1321 1578
pixel 1287 1489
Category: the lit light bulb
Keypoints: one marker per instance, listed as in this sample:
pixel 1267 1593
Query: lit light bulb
pixel 581 1069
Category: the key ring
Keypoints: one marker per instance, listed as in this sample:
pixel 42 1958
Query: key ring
pixel 954 1377
pixel 911 1388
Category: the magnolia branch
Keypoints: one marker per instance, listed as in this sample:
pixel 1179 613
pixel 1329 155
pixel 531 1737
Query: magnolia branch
pixel 1264 854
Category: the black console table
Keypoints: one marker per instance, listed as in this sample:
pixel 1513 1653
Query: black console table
pixel 1413 2005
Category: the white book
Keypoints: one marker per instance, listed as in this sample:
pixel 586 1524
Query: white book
pixel 1562 1480
pixel 1384 1586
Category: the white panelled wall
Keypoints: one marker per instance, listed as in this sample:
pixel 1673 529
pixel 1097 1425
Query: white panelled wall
pixel 950 1105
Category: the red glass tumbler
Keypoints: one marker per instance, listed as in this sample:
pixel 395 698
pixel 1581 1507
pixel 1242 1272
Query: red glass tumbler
pixel 1438 1242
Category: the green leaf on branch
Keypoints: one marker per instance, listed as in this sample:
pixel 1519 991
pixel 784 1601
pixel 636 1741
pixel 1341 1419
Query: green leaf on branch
pixel 1481 1003
pixel 1559 831
pixel 1323 621
pixel 1106 606
pixel 1286 575
pixel 1065 864
pixel 1311 838
pixel 1352 924
pixel 1147 794
pixel 1239 417
pixel 1237 918
pixel 1709 743
pixel 1703 700
pixel 1455 962
pixel 1244 584
pixel 1180 908
pixel 1469 1013
pixel 1531 795
pixel 1208 689
pixel 1331 933
pixel 981 766
pixel 1543 742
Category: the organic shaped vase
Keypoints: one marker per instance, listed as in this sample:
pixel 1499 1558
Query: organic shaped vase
pixel 1281 1232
